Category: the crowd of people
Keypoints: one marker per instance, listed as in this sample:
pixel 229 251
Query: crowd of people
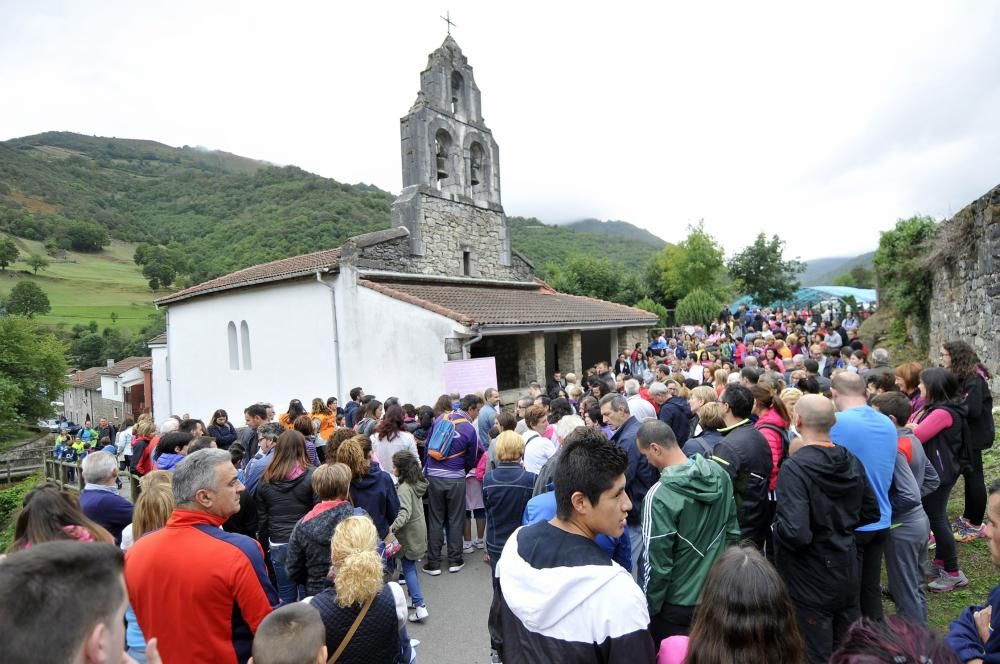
pixel 726 495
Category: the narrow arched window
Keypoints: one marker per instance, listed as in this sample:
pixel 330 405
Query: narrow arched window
pixel 457 93
pixel 245 344
pixel 475 164
pixel 442 148
pixel 234 351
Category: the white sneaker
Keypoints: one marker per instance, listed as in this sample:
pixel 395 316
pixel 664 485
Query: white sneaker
pixel 945 583
pixel 469 547
pixel 480 544
pixel 419 614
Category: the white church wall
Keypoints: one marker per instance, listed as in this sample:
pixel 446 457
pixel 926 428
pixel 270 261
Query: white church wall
pixel 290 354
pixel 161 384
pixel 391 348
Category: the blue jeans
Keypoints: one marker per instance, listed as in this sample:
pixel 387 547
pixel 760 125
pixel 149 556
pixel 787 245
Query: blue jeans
pixel 638 547
pixel 288 590
pixel 412 581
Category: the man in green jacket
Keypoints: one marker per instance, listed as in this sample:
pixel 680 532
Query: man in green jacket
pixel 688 520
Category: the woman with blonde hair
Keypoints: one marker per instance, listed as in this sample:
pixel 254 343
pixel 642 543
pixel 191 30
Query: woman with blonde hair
pixel 697 398
pixel 155 481
pixel 152 509
pixel 719 381
pixel 364 617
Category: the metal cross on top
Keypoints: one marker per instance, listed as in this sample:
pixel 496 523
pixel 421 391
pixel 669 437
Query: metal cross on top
pixel 447 19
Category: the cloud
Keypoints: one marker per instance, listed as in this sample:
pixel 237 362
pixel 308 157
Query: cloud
pixel 823 125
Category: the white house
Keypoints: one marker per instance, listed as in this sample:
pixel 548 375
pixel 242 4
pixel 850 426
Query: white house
pixel 386 310
pixel 115 391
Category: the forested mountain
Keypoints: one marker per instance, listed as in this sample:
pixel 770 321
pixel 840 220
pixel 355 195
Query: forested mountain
pixel 616 229
pixel 222 211
pixel 823 271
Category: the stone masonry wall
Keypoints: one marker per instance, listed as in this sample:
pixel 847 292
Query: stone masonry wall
pixel 442 230
pixel 965 303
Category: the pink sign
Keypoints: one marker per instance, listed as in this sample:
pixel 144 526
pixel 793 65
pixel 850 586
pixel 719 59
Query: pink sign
pixel 468 376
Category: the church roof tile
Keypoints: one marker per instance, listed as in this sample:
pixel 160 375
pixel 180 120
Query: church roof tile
pixel 499 306
pixel 286 268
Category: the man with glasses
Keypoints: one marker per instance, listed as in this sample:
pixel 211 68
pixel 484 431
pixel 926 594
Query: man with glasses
pixel 522 405
pixel 639 475
pixel 745 455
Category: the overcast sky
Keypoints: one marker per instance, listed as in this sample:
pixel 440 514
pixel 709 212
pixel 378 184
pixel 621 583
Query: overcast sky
pixel 821 122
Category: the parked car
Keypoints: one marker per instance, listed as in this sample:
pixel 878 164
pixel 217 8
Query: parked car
pixel 51 425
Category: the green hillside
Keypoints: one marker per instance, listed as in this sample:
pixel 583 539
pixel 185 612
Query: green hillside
pixel 220 211
pixel 822 271
pixel 544 244
pixel 84 287
pixel 616 229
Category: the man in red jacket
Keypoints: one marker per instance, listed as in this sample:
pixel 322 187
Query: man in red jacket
pixel 201 590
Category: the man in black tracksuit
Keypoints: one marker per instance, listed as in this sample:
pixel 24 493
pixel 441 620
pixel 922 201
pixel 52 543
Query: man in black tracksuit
pixel 745 454
pixel 822 494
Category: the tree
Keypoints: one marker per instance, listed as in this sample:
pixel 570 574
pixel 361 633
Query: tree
pixel 37 262
pixel 845 279
pixel 586 275
pixel 761 272
pixel 32 370
pixel 698 307
pixel 653 307
pixel 27 299
pixel 902 278
pixel 88 350
pixel 696 262
pixel 160 264
pixel 8 252
pixel 863 277
pixel 84 236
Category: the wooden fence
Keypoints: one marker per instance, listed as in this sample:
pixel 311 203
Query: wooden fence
pixel 67 475
pixel 17 466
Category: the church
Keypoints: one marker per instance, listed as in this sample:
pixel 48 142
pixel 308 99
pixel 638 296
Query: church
pixel 387 310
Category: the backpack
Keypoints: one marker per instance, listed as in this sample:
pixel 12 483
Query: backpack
pixel 785 440
pixel 444 432
pixel 703 444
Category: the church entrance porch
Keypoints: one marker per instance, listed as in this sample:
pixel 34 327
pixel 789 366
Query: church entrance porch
pixel 596 346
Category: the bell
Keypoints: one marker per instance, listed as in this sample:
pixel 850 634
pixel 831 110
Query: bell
pixel 442 172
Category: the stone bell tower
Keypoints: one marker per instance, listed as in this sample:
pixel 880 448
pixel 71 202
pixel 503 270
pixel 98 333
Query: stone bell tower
pixel 450 201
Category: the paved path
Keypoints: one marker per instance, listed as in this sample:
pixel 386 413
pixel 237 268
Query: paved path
pixel 459 606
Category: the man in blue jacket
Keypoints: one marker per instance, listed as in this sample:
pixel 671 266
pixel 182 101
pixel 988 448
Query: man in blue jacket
pixel 639 475
pixel 99 499
pixel 975 635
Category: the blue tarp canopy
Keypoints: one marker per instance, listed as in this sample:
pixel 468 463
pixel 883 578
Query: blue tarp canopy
pixel 812 295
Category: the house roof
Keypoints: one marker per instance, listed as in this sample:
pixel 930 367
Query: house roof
pixel 120 367
pixel 88 379
pixel 499 306
pixel 158 340
pixel 286 268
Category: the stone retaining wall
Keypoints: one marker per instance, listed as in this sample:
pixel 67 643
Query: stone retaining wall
pixel 966 292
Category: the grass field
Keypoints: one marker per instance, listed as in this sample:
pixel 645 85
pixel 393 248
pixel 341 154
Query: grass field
pixel 973 557
pixel 87 287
